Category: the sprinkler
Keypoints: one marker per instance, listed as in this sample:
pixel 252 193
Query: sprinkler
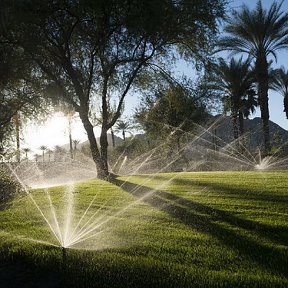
pixel 63 266
pixel 64 258
pixel 64 255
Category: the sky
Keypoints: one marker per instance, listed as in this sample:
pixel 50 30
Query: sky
pixel 55 131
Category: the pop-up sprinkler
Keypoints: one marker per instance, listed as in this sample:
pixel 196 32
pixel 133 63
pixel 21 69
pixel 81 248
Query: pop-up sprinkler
pixel 64 258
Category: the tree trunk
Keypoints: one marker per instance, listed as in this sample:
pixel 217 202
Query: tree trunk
pixel 235 124
pixel 70 136
pixel 241 131
pixel 215 144
pixel 241 123
pixel 123 134
pixel 286 104
pixel 262 79
pixel 113 137
pixel 104 149
pixel 178 144
pixel 102 169
pixel 70 146
pixel 17 128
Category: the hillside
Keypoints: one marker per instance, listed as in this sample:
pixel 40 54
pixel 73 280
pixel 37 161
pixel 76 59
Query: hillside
pixel 219 132
pixel 118 140
pixel 221 129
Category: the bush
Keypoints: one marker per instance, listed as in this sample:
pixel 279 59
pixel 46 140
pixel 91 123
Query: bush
pixel 9 188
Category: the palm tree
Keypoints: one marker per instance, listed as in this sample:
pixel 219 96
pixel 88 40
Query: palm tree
pixel 26 151
pixel 43 148
pixel 280 84
pixel 247 107
pixel 49 151
pixel 58 153
pixel 236 81
pixel 122 126
pixel 69 113
pixel 36 157
pixel 76 142
pixel 258 33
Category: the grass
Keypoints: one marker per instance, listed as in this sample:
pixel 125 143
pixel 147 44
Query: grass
pixel 215 229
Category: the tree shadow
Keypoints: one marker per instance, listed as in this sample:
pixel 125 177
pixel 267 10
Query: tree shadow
pixel 278 234
pixel 187 211
pixel 239 192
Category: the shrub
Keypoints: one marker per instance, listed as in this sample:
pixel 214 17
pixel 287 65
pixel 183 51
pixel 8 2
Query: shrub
pixel 9 188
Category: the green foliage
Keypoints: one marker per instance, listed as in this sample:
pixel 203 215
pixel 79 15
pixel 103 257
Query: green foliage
pixel 171 111
pixel 19 92
pixel 256 32
pixel 123 127
pixel 131 148
pixel 9 189
pixel 235 82
pixel 280 84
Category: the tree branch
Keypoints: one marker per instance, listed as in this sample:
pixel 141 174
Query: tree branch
pixel 128 85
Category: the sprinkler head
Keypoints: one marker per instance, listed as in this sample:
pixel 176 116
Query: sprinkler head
pixel 64 255
pixel 64 251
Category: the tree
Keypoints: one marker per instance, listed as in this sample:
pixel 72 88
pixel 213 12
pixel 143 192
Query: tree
pixel 280 84
pixel 19 92
pixel 36 157
pixel 76 142
pixel 49 151
pixel 111 110
pixel 26 151
pixel 258 33
pixel 235 80
pixel 248 107
pixel 16 120
pixel 70 117
pixel 171 112
pixel 43 148
pixel 58 153
pixel 84 48
pixel 123 127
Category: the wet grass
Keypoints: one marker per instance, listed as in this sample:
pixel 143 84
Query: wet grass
pixel 216 229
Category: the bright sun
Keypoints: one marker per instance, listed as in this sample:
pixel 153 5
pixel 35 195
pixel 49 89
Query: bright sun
pixel 53 132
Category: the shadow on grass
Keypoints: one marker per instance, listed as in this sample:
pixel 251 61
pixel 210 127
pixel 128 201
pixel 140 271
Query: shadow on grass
pixel 239 192
pixel 18 269
pixel 277 234
pixel 185 210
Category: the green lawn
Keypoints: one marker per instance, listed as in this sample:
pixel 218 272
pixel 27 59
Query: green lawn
pixel 212 229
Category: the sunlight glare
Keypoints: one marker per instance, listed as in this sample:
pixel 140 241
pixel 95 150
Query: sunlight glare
pixel 53 132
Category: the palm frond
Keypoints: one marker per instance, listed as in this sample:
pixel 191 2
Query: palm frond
pixel 250 31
